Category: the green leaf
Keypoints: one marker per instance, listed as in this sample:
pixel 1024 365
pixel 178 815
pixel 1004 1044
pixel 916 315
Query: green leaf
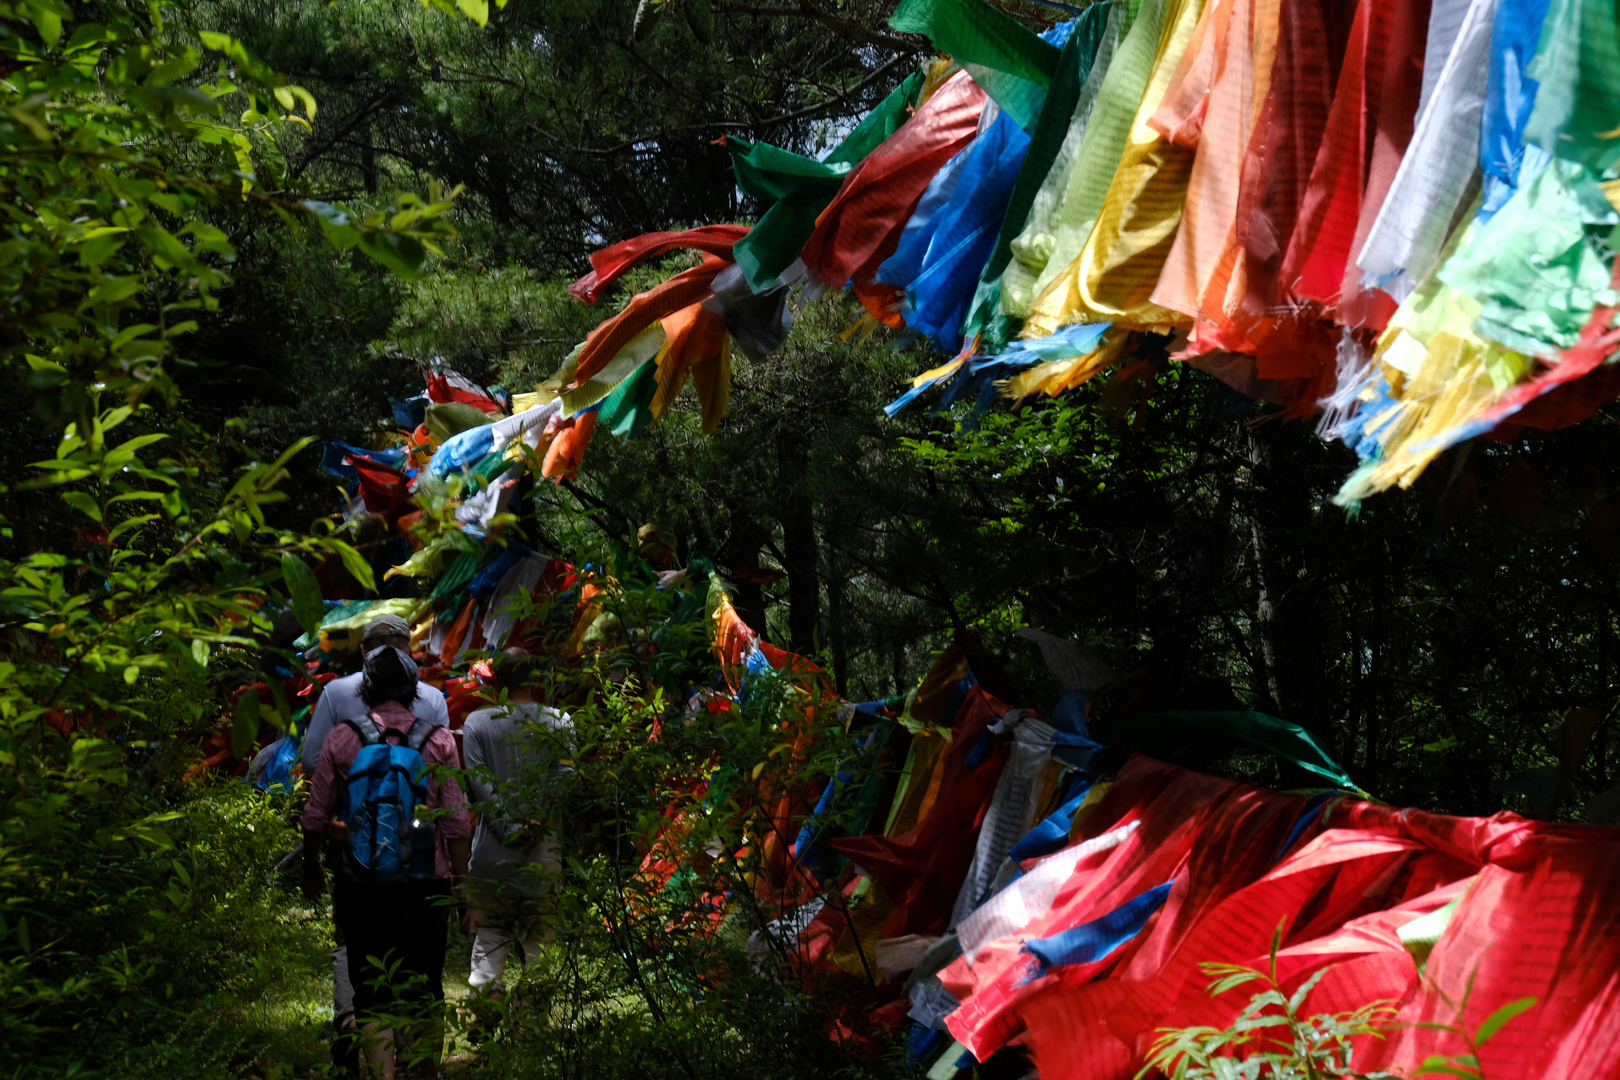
pixel 153 834
pixel 404 255
pixel 124 453
pixel 130 523
pixel 199 651
pixel 281 713
pixel 167 251
pixel 1304 991
pixel 476 10
pixel 335 223
pixel 245 728
pixel 1493 1023
pixel 1256 1022
pixel 699 19
pixel 356 564
pixel 209 238
pixel 47 19
pixel 96 250
pixel 112 290
pixel 239 55
pixel 177 68
pixel 1221 986
pixel 85 35
pixel 304 591
pixel 82 502
pixel 304 96
pixel 291 452
pixel 39 363
pixel 37 128
pixel 1435 1063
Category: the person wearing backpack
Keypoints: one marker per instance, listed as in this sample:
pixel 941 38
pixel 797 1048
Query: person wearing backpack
pixel 338 701
pixel 404 835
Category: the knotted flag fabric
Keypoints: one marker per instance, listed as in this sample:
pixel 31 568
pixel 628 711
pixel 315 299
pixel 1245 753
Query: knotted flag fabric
pixel 610 263
pixel 861 226
pixel 799 188
pixel 681 291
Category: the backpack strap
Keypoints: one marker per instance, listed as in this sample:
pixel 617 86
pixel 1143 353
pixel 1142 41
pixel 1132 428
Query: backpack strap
pixel 419 734
pixel 366 728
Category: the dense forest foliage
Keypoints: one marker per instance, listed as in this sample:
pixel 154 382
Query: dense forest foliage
pixel 233 228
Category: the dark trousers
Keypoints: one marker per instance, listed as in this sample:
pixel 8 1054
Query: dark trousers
pixel 406 926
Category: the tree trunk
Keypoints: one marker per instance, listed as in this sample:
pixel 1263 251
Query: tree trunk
pixel 1265 612
pixel 837 631
pixel 804 583
pixel 368 162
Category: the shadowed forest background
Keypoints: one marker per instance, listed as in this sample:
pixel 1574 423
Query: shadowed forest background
pixel 1431 640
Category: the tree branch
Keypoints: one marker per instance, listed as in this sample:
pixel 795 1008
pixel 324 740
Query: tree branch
pixel 841 27
pixel 733 125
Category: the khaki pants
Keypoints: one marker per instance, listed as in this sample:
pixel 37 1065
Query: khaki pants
pixel 492 945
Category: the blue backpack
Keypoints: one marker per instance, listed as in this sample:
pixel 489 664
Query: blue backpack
pixel 384 795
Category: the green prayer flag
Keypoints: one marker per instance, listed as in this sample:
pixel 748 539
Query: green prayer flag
pixel 802 186
pixel 447 418
pixel 628 409
pixel 487 467
pixel 1541 264
pixel 974 32
pixel 1032 247
pixel 1074 66
pixel 457 577
pixel 1577 112
pixel 880 123
pixel 1008 60
pixel 1170 736
pixel 769 172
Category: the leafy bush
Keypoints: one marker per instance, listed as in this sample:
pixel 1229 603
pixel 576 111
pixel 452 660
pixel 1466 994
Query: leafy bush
pixel 670 824
pixel 139 936
pixel 1270 1039
pixel 138 568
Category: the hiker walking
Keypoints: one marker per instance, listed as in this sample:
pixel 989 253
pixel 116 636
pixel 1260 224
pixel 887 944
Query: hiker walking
pixel 505 748
pixel 338 702
pixel 403 832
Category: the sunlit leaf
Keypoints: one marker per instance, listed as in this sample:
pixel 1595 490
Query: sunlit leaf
pixel 47 18
pixel 356 564
pixel 404 255
pixel 304 592
pixel 83 502
pixel 245 726
pixel 1435 1063
pixel 1493 1023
